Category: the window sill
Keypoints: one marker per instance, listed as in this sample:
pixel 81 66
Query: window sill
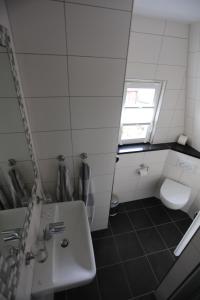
pixel 144 147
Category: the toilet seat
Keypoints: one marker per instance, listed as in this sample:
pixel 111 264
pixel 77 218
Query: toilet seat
pixel 173 194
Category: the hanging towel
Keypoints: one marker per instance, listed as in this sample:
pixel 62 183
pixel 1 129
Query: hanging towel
pixel 4 201
pixel 64 190
pixel 86 190
pixel 19 192
pixel 5 279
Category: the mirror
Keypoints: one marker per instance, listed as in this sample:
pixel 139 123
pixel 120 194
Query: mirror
pixel 16 169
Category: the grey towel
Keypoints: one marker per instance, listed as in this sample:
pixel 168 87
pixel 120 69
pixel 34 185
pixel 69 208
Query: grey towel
pixel 64 188
pixel 86 190
pixel 4 201
pixel 5 292
pixel 18 189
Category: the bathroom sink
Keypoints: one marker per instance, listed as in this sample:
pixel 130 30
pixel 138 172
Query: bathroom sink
pixel 70 261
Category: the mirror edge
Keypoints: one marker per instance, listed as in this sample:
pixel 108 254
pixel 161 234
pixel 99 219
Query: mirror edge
pixel 9 278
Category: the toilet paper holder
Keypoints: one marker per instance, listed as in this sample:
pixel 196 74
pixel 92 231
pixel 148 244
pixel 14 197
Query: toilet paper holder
pixel 143 170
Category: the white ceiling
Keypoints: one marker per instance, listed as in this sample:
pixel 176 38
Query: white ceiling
pixel 179 10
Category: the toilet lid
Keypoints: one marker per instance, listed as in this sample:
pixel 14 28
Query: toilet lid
pixel 175 192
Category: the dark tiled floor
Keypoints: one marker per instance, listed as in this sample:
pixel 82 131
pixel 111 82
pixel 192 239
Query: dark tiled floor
pixel 134 253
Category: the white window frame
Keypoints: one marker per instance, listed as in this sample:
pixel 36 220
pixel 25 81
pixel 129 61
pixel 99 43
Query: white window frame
pixel 159 87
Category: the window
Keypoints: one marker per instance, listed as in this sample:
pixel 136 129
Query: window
pixel 140 108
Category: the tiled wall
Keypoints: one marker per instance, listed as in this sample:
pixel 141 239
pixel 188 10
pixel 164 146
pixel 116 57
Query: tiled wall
pixel 128 185
pixel 158 50
pixel 192 117
pixel 72 58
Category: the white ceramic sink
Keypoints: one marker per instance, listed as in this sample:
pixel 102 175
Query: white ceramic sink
pixel 68 267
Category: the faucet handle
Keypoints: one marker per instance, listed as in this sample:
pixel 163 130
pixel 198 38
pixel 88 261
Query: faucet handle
pixel 53 228
pixel 12 234
pixel 56 227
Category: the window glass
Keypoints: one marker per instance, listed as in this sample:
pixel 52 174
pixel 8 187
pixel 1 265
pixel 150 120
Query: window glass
pixel 139 110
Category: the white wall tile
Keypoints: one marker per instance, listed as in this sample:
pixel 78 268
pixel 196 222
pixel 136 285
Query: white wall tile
pixel 174 51
pixel 43 75
pixel 13 145
pixel 103 183
pixel 144 193
pixel 155 157
pixel 164 118
pixel 95 112
pixel 177 29
pixel 102 204
pixel 48 114
pixel 194 64
pixel 190 105
pixel 180 104
pixel 100 164
pixel 147 25
pixel 172 172
pixel 137 70
pixel 46 26
pixel 175 132
pixel 192 120
pixel 96 76
pixel 161 135
pixel 173 74
pixel 10 117
pixel 104 31
pixel 177 118
pixel 95 140
pixel 7 88
pixel 172 158
pixel 148 182
pixel 192 84
pixel 144 47
pixel 170 99
pixel 51 144
pixel 128 160
pixel 194 37
pixel 116 4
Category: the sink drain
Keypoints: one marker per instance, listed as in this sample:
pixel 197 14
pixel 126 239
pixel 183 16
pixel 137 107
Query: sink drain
pixel 64 243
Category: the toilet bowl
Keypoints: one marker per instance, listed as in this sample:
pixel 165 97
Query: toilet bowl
pixel 173 194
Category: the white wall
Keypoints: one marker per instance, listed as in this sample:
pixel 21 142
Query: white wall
pixel 192 116
pixel 72 59
pixel 158 50
pixel 128 185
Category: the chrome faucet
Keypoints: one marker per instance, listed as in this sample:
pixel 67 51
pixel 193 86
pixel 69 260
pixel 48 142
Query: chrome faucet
pixel 53 228
pixel 12 234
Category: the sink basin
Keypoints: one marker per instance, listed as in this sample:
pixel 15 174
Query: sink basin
pixel 70 261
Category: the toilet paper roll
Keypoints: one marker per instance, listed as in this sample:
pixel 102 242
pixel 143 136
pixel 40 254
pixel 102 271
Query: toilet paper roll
pixel 182 140
pixel 143 171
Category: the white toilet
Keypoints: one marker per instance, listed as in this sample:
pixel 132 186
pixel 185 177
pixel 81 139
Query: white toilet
pixel 173 194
